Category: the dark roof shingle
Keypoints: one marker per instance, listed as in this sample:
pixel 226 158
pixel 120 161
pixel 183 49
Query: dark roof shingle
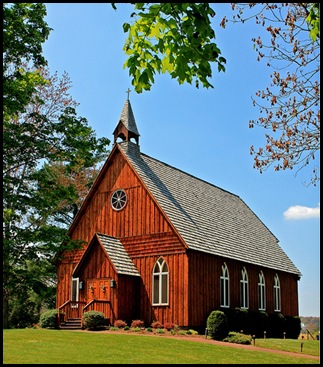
pixel 118 255
pixel 208 218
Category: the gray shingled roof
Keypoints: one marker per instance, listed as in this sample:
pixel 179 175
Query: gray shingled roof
pixel 128 119
pixel 118 255
pixel 208 218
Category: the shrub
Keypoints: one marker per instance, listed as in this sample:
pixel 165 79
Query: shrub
pixel 157 325
pixel 126 327
pixel 49 319
pixel 293 327
pixel 258 323
pixel 23 312
pixel 113 328
pixel 169 326
pixel 276 325
pixel 137 323
pixel 136 328
pixel 234 337
pixel 217 325
pixel 192 332
pixel 160 331
pixel 149 329
pixel 93 320
pixel 120 324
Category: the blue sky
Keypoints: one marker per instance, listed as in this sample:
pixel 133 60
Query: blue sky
pixel 201 131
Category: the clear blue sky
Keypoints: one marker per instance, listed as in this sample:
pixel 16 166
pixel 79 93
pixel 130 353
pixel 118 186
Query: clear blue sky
pixel 201 131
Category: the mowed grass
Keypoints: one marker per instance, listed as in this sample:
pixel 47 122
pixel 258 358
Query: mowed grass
pixel 41 346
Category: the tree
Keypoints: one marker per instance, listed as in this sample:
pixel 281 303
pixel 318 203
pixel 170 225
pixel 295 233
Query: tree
pixel 24 31
pixel 51 156
pixel 178 39
pixel 290 106
pixel 174 38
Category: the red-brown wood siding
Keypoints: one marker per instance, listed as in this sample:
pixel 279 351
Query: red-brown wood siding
pixel 204 287
pixel 177 309
pixel 194 278
pixel 141 227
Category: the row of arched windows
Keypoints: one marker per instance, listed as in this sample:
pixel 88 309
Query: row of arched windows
pixel 244 289
pixel 161 287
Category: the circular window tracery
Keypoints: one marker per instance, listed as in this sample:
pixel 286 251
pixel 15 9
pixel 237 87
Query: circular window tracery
pixel 118 200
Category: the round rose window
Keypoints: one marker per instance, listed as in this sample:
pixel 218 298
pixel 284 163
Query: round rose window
pixel 118 200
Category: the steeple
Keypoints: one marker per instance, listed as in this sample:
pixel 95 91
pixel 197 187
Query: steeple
pixel 126 128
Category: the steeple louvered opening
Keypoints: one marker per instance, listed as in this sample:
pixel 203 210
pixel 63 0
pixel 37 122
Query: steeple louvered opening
pixel 126 128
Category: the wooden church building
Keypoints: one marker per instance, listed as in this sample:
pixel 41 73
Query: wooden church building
pixel 163 245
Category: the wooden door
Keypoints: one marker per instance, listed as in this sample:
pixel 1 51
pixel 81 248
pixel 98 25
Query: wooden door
pixel 98 289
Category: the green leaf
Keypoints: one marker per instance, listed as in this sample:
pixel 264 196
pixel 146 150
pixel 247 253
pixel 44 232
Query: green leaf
pixel 126 27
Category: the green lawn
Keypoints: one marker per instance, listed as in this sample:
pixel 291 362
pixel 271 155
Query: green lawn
pixel 41 346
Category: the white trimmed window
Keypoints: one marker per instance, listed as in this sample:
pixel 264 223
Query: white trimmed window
pixel 75 291
pixel 261 292
pixel 244 294
pixel 277 293
pixel 160 283
pixel 224 286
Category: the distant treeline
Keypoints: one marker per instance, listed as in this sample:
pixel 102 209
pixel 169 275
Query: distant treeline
pixel 311 323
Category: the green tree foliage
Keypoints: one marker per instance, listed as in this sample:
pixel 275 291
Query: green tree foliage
pixel 313 19
pixel 50 159
pixel 174 38
pixel 24 31
pixel 178 38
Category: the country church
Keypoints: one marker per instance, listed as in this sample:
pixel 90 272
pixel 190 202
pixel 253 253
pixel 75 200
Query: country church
pixel 163 245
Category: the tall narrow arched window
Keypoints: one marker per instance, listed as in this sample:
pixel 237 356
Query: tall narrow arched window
pixel 261 292
pixel 224 286
pixel 244 294
pixel 160 283
pixel 276 293
pixel 75 292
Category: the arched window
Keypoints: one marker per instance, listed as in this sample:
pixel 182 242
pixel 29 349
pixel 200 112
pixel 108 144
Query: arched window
pixel 276 293
pixel 75 292
pixel 160 283
pixel 224 286
pixel 261 292
pixel 244 294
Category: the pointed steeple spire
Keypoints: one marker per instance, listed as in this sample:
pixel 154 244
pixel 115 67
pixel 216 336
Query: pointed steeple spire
pixel 126 128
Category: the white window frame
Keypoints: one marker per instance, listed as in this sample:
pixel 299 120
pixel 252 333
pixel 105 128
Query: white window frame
pixel 224 287
pixel 244 289
pixel 76 284
pixel 160 275
pixel 261 292
pixel 277 294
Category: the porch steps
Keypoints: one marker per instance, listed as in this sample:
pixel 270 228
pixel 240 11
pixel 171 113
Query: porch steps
pixel 71 324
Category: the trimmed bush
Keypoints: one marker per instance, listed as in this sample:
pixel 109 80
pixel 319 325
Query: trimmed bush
pixel 137 323
pixel 238 319
pixel 293 327
pixel 93 320
pixel 49 319
pixel 157 325
pixel 276 325
pixel 258 323
pixel 120 324
pixel 191 332
pixel 217 325
pixel 169 326
pixel 238 338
